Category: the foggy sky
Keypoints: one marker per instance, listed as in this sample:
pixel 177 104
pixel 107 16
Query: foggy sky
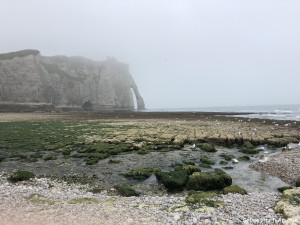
pixel 181 53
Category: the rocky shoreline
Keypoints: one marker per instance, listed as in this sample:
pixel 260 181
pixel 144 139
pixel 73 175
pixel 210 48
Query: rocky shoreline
pixel 53 202
pixel 285 165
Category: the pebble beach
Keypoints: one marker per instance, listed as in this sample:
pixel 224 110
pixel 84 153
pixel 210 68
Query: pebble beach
pixel 44 201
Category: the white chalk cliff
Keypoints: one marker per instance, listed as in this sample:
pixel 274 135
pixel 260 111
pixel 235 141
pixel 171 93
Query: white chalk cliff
pixel 26 77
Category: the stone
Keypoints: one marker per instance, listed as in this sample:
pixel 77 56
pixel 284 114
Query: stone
pixel 289 204
pixel 30 82
pixel 176 217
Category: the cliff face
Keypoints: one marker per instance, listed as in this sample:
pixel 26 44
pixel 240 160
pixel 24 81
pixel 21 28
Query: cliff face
pixel 27 77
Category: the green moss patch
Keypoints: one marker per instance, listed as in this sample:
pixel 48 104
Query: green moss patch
pixel 223 162
pixel 190 169
pixel 126 191
pixel 95 190
pixel 34 196
pixel 205 160
pixel 188 163
pixel 228 167
pixel 202 199
pixel 50 157
pixel 282 189
pixel 114 161
pixel 244 158
pixel 234 189
pixel 39 199
pixel 249 151
pixel 84 201
pixel 174 180
pixel 176 164
pixel 21 175
pixel 298 182
pixel 207 147
pixel 141 173
pixel 204 165
pixel 227 157
pixel 208 181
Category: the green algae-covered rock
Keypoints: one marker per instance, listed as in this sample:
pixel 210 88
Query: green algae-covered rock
pixel 227 157
pixel 282 189
pixel 174 180
pixel 244 158
pixel 289 205
pixel 234 189
pixel 141 173
pixel 204 165
pixel 208 181
pixel 190 169
pixel 21 175
pixel 223 162
pixel 298 182
pixel 205 160
pixel 249 151
pixel 208 147
pixel 126 191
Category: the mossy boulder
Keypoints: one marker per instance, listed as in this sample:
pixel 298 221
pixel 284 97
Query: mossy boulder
pixel 247 144
pixel 188 162
pixel 50 157
pixel 202 198
pixel 208 181
pixel 249 151
pixel 176 164
pixel 208 147
pixel 205 160
pixel 126 191
pixel 141 173
pixel 298 182
pixel 114 161
pixel 204 165
pixel 95 190
pixel 91 161
pixel 190 169
pixel 234 189
pixel 289 205
pixel 282 189
pixel 228 167
pixel 227 157
pixel 244 158
pixel 174 180
pixel 223 162
pixel 21 175
pixel 219 171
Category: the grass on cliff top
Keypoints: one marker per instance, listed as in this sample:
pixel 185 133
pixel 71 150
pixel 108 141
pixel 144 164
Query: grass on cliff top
pixel 33 141
pixel 23 53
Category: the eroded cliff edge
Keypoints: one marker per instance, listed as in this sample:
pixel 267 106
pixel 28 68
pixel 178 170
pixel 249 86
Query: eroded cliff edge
pixel 29 80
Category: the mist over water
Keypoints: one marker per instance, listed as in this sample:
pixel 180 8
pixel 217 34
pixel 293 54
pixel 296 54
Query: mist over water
pixel 275 112
pixel 181 54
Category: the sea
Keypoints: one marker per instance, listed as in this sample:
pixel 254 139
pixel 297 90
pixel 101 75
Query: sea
pixel 273 112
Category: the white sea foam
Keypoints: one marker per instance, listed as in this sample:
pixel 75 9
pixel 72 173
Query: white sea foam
pixel 275 112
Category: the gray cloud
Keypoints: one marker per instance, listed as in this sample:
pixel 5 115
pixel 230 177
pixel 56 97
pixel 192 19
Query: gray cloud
pixel 181 53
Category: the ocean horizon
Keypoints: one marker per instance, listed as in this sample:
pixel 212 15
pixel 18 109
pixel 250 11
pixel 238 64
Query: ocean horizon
pixel 275 112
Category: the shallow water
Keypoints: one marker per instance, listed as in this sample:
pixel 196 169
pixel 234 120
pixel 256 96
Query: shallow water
pixel 106 175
